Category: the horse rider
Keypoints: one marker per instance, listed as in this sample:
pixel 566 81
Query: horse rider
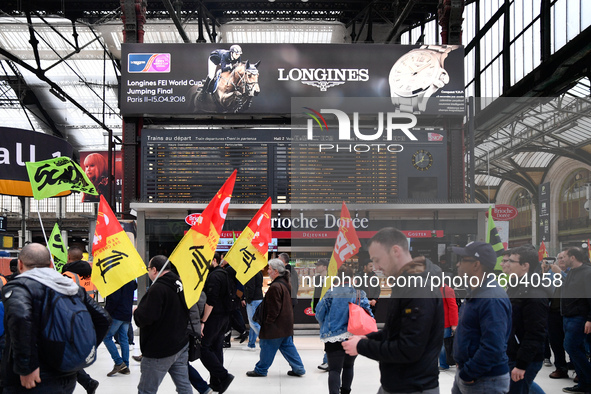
pixel 226 60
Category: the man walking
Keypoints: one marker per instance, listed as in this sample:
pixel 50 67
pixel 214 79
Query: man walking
pixel 162 317
pixel 480 344
pixel 277 324
pixel 294 279
pixel 575 306
pixel 25 369
pixel 119 304
pixel 529 305
pixel 214 323
pixel 408 346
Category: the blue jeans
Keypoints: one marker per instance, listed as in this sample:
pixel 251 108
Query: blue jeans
pixel 285 345
pixel 255 328
pixel 442 356
pixel 120 327
pixel 153 371
pixel 574 344
pixel 196 380
pixel 526 385
pixel 484 385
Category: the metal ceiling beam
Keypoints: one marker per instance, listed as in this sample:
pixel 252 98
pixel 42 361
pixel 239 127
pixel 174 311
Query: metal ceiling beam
pixel 41 75
pixel 176 20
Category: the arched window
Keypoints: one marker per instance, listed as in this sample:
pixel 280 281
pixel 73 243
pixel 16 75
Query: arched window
pixel 573 197
pixel 521 226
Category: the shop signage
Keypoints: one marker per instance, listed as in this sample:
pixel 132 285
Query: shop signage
pixel 504 212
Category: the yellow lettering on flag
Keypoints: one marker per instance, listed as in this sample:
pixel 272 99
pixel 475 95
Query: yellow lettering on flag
pixel 192 255
pixel 115 259
pixel 57 248
pixel 248 254
pixel 346 246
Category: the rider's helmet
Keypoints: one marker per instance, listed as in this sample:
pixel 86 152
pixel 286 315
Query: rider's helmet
pixel 236 49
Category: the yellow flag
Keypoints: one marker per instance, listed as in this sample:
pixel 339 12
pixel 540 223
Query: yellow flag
pixel 115 259
pixel 192 255
pixel 248 254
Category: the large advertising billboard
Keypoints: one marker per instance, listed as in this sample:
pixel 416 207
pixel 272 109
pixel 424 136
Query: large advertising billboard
pixel 96 167
pixel 188 79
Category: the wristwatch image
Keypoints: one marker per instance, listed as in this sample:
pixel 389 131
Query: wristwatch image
pixel 417 75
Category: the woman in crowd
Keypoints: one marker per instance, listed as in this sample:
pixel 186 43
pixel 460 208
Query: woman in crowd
pixel 332 313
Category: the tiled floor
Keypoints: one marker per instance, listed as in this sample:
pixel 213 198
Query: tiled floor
pixel 310 348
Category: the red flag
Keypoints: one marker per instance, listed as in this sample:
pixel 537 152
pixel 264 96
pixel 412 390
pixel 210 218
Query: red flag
pixel 347 245
pixel 542 252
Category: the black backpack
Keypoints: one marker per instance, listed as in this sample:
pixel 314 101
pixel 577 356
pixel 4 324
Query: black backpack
pixel 68 338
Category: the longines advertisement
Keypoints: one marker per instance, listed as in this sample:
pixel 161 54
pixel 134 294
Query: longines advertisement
pixel 177 79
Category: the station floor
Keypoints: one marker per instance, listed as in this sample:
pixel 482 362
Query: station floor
pixel 238 361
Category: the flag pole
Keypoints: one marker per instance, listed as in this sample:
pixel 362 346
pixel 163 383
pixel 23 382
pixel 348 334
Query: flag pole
pixel 160 272
pixel 45 236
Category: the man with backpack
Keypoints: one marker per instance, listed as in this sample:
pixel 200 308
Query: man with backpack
pixel 39 305
pixel 214 324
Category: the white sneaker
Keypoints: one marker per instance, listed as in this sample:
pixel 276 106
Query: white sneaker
pixel 249 349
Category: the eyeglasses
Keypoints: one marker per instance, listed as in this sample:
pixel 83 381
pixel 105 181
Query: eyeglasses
pixel 514 261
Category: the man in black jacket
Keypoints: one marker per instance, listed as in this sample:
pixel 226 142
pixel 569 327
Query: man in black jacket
pixel 408 346
pixel 294 279
pixel 214 323
pixel 529 302
pixel 575 307
pixel 162 317
pixel 24 367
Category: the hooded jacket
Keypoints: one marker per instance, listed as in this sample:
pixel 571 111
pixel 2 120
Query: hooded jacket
pixel 408 346
pixel 23 300
pixel 162 317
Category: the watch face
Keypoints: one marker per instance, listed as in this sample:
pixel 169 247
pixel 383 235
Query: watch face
pixel 413 73
pixel 422 160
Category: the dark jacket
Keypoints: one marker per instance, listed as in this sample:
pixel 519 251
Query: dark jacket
pixel 576 293
pixel 253 289
pixel 216 290
pixel 294 283
pixel 119 304
pixel 528 329
pixel 373 292
pixel 277 310
pixel 223 58
pixel 162 317
pixel 408 346
pixel 80 267
pixel 480 343
pixel 23 299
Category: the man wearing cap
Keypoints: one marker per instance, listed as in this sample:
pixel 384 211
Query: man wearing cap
pixel 480 345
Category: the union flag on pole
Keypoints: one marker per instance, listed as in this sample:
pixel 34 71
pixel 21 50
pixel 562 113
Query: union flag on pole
pixel 248 254
pixel 347 245
pixel 192 255
pixel 115 259
pixel 57 249
pixel 54 176
pixel 542 252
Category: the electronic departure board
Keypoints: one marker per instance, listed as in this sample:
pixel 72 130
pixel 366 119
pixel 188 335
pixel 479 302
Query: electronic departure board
pixel 188 166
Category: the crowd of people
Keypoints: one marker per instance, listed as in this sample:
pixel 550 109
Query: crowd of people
pixel 502 330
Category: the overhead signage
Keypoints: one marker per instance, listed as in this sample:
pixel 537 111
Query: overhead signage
pixel 169 79
pixel 333 234
pixel 544 212
pixel 503 212
pixel 18 146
